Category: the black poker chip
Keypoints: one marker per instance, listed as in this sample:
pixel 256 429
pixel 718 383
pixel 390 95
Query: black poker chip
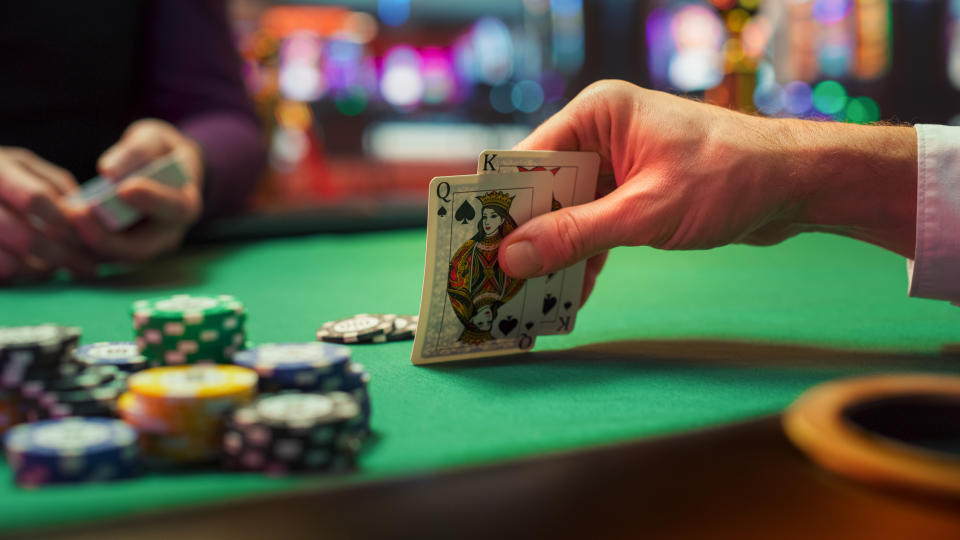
pixel 293 431
pixel 404 328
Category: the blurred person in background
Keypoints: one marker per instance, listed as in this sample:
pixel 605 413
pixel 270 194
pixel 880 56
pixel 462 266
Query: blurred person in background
pixel 105 88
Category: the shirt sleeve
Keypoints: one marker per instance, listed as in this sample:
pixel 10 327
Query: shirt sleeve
pixel 934 271
pixel 193 80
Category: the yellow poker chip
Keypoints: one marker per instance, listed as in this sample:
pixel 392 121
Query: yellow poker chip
pixel 898 431
pixel 174 383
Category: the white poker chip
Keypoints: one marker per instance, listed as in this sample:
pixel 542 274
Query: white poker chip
pixel 363 327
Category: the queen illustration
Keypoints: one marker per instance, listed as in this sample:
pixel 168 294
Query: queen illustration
pixel 476 285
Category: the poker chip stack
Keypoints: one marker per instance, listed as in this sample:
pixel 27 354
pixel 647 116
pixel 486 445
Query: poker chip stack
pixel 369 328
pixel 72 450
pixel 184 329
pixel 78 391
pixel 309 367
pixel 8 410
pixel 294 431
pixel 179 410
pixel 34 352
pixel 40 380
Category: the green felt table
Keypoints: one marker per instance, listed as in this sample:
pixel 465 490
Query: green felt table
pixel 669 342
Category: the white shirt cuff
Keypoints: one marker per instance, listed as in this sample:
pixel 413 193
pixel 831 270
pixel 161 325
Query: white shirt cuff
pixel 934 271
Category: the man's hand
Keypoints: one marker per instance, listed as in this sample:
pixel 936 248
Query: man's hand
pixel 168 211
pixel 35 236
pixel 678 174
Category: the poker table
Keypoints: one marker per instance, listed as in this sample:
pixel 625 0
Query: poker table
pixel 657 416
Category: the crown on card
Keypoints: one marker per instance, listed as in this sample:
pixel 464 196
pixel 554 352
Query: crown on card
pixel 496 198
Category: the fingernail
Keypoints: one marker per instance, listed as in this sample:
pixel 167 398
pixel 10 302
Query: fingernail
pixel 522 259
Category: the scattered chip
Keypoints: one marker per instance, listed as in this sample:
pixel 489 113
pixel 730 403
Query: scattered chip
pixel 359 328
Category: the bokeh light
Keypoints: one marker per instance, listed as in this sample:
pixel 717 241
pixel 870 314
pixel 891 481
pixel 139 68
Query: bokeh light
pixel 501 99
pixel 492 48
pixel 352 101
pixel 553 85
pixel 698 34
pixel 862 110
pixel 402 84
pixel 797 97
pixel 301 81
pixel 360 27
pixel 526 96
pixel 829 97
pixel 696 69
pixel 768 98
pixel 831 11
pixel 393 12
pixel 438 76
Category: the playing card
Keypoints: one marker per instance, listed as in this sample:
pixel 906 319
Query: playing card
pixel 469 307
pixel 101 193
pixel 574 181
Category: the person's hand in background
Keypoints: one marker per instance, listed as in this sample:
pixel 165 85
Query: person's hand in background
pixel 168 212
pixel 679 174
pixel 35 234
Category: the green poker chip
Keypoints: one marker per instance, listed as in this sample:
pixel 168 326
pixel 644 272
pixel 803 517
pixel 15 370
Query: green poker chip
pixel 187 308
pixel 189 329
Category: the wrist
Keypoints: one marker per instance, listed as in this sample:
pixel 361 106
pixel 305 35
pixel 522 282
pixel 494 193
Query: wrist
pixel 853 180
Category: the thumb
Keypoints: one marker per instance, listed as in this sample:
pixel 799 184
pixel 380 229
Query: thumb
pixel 556 240
pixel 139 145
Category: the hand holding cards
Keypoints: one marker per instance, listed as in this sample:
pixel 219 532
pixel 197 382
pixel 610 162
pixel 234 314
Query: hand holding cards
pixel 469 307
pixel 101 193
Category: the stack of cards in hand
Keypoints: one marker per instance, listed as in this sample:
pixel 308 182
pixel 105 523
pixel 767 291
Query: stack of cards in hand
pixel 469 307
pixel 101 193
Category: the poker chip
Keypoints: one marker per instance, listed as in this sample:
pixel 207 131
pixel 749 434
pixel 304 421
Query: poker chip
pixel 72 450
pixel 36 343
pixel 356 382
pixel 89 392
pixel 180 409
pixel 294 432
pixel 305 366
pixel 404 328
pixel 8 410
pixel 123 354
pixel 34 351
pixel 360 328
pixel 185 329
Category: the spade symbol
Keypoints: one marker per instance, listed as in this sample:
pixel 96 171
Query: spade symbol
pixel 442 211
pixel 508 325
pixel 529 325
pixel 567 304
pixel 548 302
pixel 465 213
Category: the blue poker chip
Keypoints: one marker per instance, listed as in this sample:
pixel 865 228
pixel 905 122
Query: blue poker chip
pixel 72 450
pixel 297 365
pixel 123 354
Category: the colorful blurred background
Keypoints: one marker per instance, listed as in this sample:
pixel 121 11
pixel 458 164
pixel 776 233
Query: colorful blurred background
pixel 364 101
